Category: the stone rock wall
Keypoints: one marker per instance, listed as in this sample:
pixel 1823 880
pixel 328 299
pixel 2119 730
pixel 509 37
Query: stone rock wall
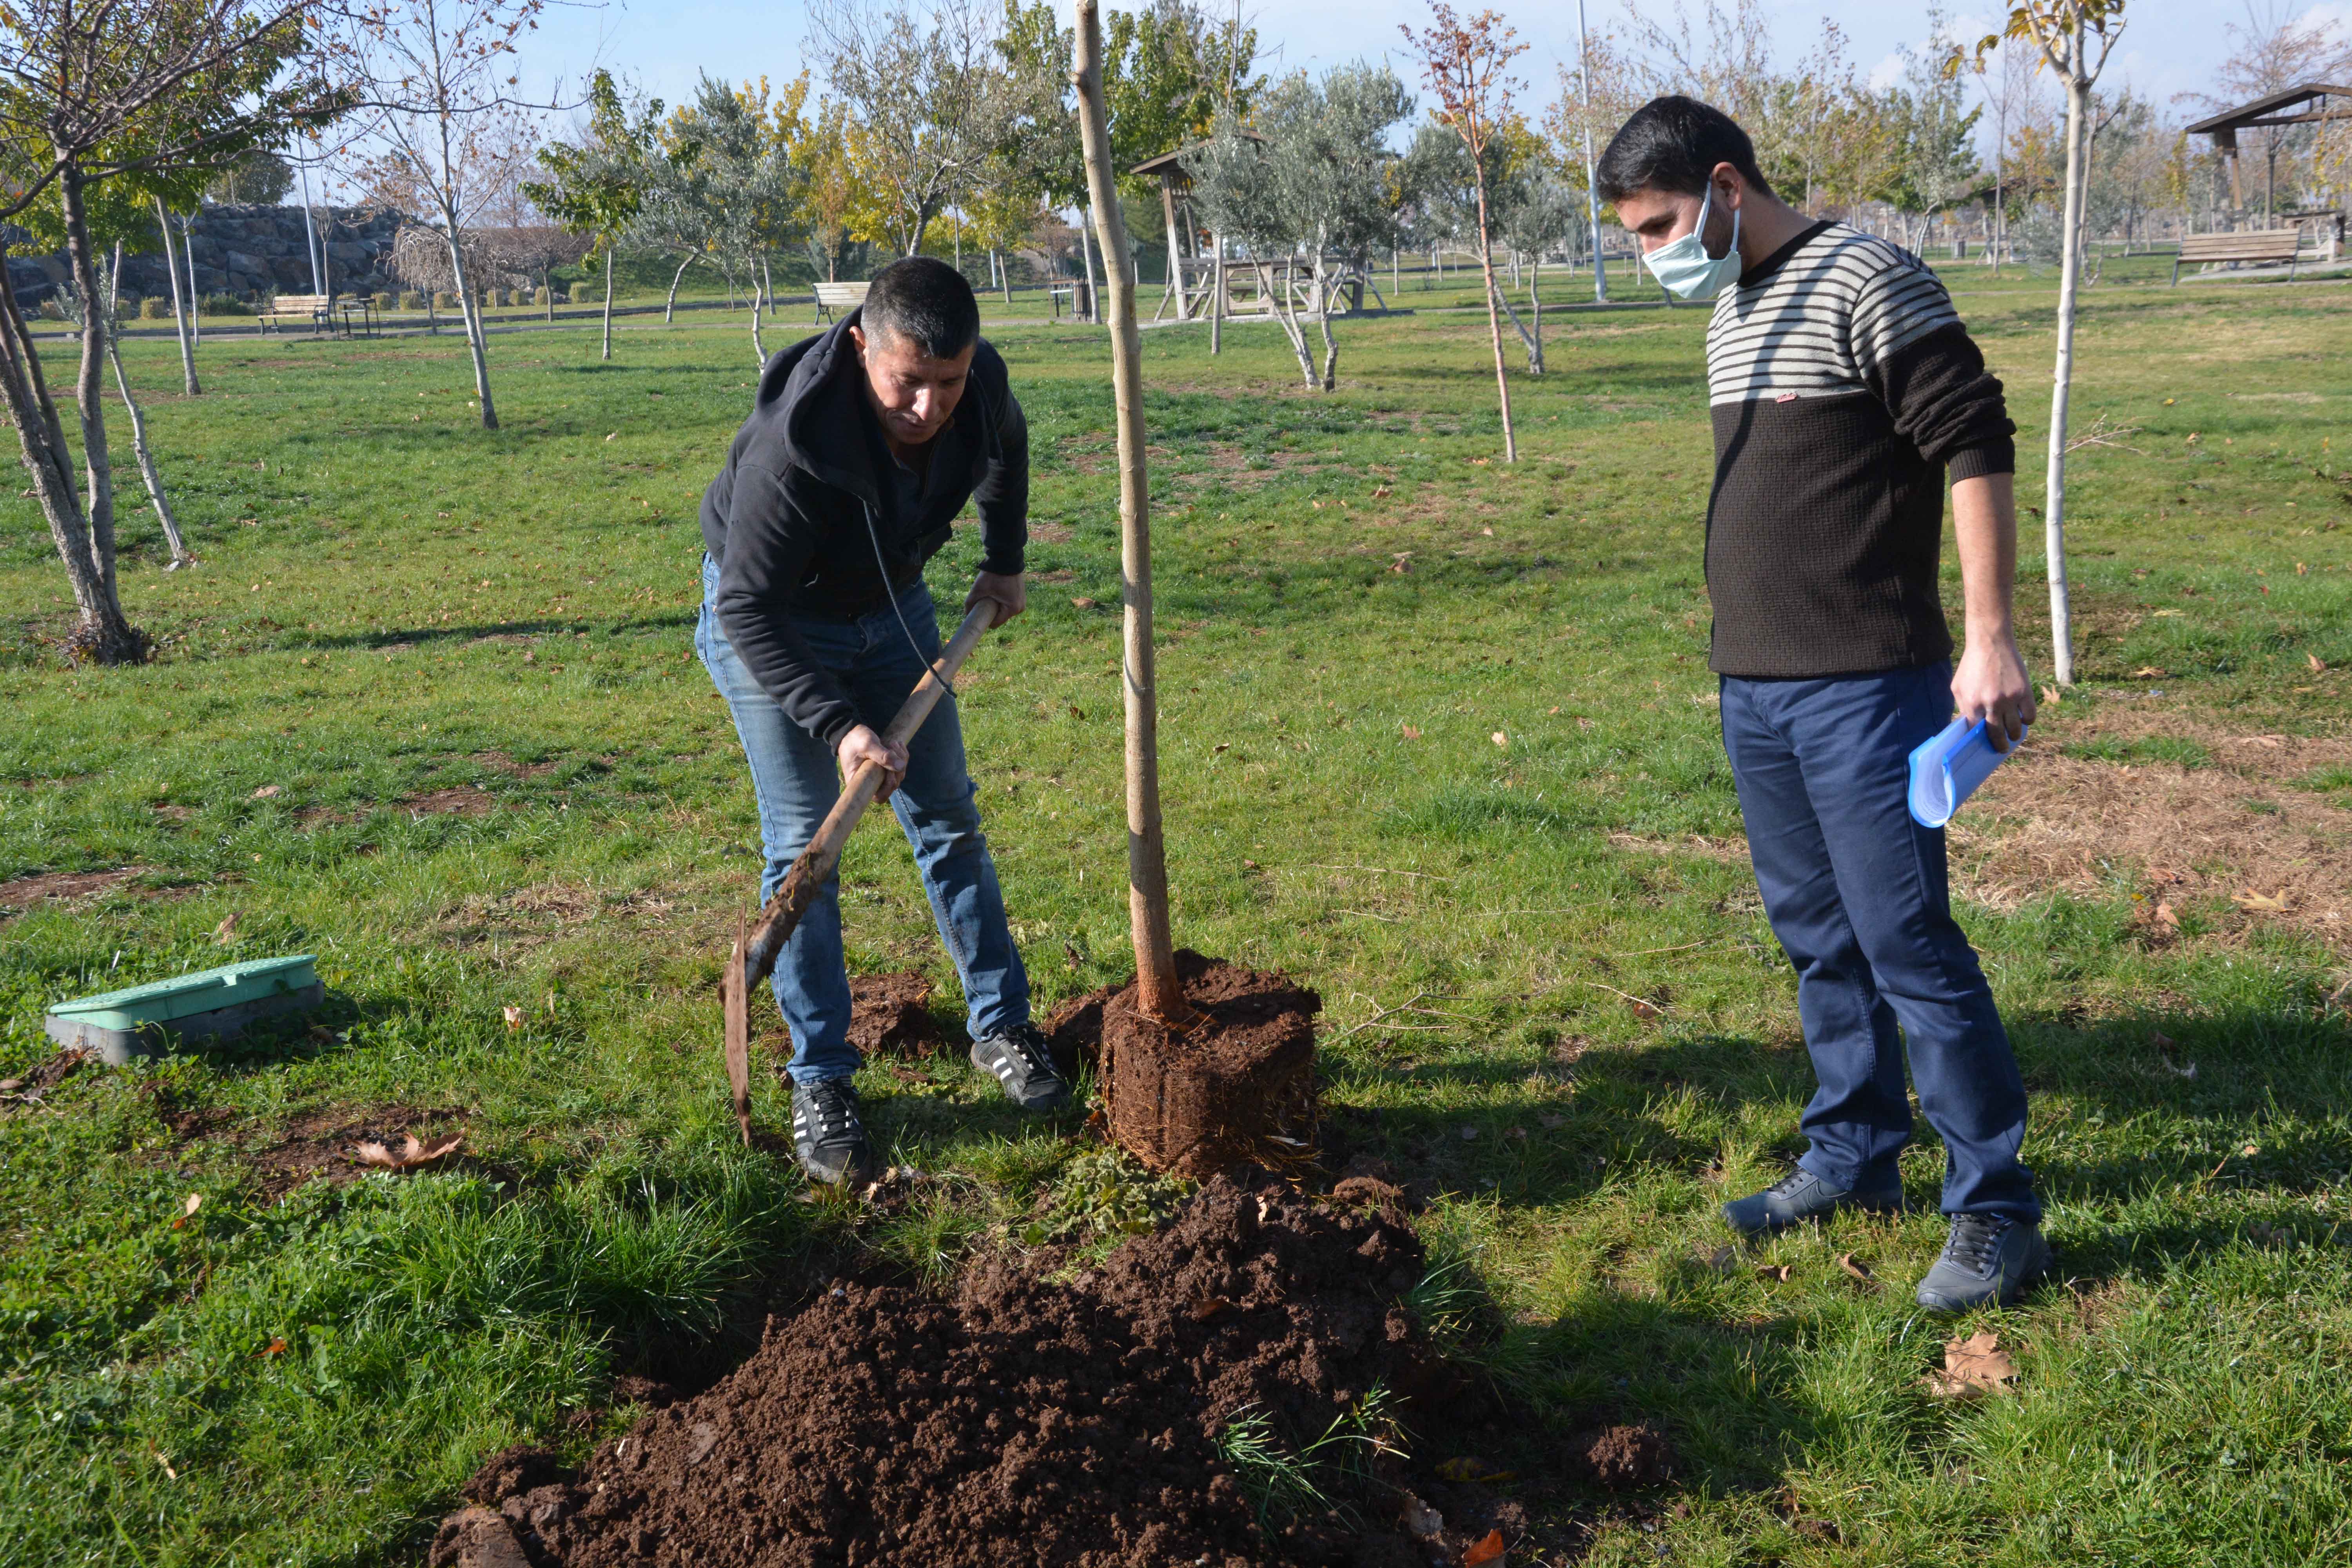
pixel 246 250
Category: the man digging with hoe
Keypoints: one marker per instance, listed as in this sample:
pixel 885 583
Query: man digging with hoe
pixel 1843 388
pixel 863 444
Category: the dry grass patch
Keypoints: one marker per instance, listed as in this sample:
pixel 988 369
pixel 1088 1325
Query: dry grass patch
pixel 2053 822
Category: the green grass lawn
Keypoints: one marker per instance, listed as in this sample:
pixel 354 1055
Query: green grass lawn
pixel 1438 736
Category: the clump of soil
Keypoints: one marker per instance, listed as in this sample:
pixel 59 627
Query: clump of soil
pixel 1626 1458
pixel 1027 1423
pixel 1234 1089
pixel 890 1014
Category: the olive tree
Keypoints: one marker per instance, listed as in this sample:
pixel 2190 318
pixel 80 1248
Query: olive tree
pixel 1311 171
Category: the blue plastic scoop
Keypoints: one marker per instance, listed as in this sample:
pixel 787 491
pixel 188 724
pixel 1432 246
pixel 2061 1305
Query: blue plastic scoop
pixel 1946 770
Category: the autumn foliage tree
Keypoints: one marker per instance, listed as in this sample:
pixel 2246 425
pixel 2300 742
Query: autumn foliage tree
pixel 1467 64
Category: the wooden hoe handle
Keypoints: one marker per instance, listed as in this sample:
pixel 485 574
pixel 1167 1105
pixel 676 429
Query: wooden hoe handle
pixel 753 957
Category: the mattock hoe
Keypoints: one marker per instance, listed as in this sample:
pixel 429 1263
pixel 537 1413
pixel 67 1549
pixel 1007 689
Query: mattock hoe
pixel 753 958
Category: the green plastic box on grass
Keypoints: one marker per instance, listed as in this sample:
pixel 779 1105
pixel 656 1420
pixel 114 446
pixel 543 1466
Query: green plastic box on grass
pixel 216 1004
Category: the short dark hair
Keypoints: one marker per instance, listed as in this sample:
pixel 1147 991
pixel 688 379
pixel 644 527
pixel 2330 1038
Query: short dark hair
pixel 926 302
pixel 1674 143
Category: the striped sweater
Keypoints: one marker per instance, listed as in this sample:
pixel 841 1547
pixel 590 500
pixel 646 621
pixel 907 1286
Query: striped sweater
pixel 1842 386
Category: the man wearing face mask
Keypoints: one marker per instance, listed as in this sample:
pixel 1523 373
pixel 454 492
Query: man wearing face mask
pixel 863 444
pixel 1843 389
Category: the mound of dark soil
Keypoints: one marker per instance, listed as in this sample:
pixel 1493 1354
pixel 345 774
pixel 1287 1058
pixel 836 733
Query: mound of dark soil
pixel 1022 1422
pixel 890 1014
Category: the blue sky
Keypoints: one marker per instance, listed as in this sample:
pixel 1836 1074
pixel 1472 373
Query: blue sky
pixel 2169 44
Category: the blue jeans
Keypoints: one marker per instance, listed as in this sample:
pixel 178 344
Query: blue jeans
pixel 1856 892
pixel 796 781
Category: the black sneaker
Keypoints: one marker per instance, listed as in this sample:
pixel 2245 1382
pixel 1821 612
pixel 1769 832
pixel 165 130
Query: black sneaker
pixel 1023 1066
pixel 1988 1260
pixel 826 1132
pixel 1801 1195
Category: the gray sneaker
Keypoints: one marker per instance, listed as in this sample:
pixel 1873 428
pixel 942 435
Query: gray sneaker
pixel 828 1134
pixel 1989 1259
pixel 1018 1059
pixel 1801 1196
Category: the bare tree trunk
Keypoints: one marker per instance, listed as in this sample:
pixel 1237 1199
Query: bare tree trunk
pixel 179 307
pixel 608 303
pixel 1323 317
pixel 1528 339
pixel 1160 991
pixel 470 304
pixel 768 287
pixel 1277 291
pixel 669 306
pixel 2070 269
pixel 188 254
pixel 1493 320
pixel 178 546
pixel 1217 303
pixel 1087 258
pixel 759 292
pixel 547 287
pixel 98 476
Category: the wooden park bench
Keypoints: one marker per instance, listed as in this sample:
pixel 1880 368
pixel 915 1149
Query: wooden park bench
pixel 832 296
pixel 323 312
pixel 2272 246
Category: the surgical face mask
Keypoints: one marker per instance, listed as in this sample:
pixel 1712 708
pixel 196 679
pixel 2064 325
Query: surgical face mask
pixel 1684 269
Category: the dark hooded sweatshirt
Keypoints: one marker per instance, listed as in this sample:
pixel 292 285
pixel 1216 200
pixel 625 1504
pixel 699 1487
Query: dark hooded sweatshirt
pixel 794 518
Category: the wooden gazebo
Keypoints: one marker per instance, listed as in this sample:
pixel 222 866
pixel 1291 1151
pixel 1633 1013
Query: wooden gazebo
pixel 2308 104
pixel 1250 288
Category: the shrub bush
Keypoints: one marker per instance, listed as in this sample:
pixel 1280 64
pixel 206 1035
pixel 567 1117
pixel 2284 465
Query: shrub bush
pixel 542 296
pixel 410 300
pixel 385 302
pixel 444 299
pixel 226 305
pixel 154 308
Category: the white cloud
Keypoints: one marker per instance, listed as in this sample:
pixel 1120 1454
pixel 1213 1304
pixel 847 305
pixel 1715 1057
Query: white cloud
pixel 1888 71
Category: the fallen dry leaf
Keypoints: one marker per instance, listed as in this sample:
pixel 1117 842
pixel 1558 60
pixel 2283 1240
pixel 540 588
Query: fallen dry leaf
pixel 2147 672
pixel 1422 1521
pixel 411 1154
pixel 2256 903
pixel 2165 917
pixel 275 1347
pixel 272 791
pixel 226 931
pixel 1857 1270
pixel 1775 1273
pixel 2050 696
pixel 1499 738
pixel 1208 1307
pixel 513 1017
pixel 1972 1365
pixel 1380 490
pixel 1410 733
pixel 1490 1549
pixel 1082 604
pixel 188 1209
pixel 1646 1011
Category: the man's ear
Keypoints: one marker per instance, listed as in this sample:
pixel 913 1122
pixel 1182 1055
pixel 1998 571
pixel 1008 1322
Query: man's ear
pixel 857 336
pixel 1730 188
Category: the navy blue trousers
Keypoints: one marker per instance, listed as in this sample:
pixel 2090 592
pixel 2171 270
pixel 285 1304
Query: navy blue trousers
pixel 1857 894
